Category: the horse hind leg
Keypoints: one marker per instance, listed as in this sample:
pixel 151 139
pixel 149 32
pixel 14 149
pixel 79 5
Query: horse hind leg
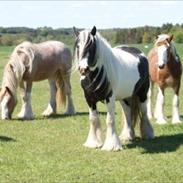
pixel 140 102
pixel 175 106
pixel 159 107
pixel 70 109
pixel 127 133
pixel 145 126
pixel 51 108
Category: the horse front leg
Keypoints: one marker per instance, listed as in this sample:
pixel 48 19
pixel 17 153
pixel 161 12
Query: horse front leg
pixel 149 100
pixel 26 109
pixel 112 142
pixel 159 108
pixel 94 136
pixel 175 106
pixel 51 108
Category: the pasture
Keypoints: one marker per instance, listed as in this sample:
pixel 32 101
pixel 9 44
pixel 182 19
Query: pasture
pixel 50 149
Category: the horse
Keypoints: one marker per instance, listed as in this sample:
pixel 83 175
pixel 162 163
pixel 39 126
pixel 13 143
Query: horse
pixel 165 71
pixel 109 74
pixel 29 63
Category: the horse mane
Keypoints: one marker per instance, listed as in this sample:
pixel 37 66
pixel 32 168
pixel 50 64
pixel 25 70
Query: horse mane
pixel 16 67
pixel 9 79
pixel 105 54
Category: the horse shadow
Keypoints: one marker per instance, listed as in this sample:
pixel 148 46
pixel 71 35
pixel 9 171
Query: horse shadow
pixel 161 144
pixel 6 139
pixel 55 116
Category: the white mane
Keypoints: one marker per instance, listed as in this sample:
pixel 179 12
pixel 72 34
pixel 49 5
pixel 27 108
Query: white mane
pixel 16 66
pixel 105 54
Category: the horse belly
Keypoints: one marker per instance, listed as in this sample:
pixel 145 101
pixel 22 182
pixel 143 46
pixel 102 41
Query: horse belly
pixel 125 75
pixel 125 86
pixel 45 70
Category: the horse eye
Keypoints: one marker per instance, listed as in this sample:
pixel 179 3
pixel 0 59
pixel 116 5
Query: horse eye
pixel 77 46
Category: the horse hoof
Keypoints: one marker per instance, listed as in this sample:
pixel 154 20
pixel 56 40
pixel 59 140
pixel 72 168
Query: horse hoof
pixel 94 145
pixel 111 148
pixel 47 114
pixel 176 121
pixel 161 122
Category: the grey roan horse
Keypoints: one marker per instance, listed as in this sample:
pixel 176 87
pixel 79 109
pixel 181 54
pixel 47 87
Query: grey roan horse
pixel 30 62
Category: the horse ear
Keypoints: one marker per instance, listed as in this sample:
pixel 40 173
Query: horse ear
pixel 10 68
pixel 157 36
pixel 76 32
pixel 94 30
pixel 170 38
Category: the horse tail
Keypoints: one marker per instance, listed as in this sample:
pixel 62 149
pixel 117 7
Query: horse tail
pixel 135 110
pixel 61 89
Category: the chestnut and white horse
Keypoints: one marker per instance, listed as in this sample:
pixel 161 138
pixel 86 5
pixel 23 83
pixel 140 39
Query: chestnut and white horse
pixel 109 74
pixel 165 70
pixel 30 62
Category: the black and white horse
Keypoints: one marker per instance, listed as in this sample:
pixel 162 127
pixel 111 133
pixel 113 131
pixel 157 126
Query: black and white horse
pixel 109 74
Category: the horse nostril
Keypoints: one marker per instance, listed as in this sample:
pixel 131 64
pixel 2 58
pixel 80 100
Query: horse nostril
pixel 161 66
pixel 83 71
pixel 87 69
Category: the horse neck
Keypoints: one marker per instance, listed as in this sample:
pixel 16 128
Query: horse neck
pixel 172 55
pixel 105 55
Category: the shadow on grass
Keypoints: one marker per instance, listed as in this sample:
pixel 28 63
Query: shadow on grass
pixel 54 116
pixel 6 139
pixel 161 144
pixel 170 116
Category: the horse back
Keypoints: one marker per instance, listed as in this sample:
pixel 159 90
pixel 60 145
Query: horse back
pixel 44 59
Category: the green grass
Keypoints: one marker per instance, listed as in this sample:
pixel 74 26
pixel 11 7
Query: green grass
pixel 50 150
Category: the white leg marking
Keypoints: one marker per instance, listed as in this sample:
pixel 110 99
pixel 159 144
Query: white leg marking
pixel 127 132
pixel 26 110
pixel 51 108
pixel 160 119
pixel 145 126
pixel 175 111
pixel 4 108
pixel 112 142
pixel 94 136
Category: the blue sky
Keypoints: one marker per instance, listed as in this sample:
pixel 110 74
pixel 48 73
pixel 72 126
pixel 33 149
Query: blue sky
pixel 85 14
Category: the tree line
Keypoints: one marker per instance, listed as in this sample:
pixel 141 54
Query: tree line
pixel 14 35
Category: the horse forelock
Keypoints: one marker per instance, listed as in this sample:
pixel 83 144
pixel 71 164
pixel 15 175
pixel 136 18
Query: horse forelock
pixel 162 39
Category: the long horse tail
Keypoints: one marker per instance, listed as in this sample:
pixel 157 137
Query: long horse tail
pixel 135 110
pixel 61 89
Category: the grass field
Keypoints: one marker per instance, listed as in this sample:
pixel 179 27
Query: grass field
pixel 49 150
